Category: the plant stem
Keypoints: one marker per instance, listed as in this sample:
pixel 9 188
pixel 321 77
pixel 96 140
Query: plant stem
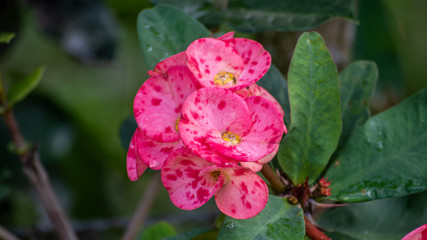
pixel 275 181
pixel 313 232
pixel 6 235
pixel 143 208
pixel 35 172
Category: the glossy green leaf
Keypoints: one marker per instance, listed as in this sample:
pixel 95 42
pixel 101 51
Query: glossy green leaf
pixel 164 31
pixel 357 83
pixel 275 83
pixel 386 157
pixel 388 219
pixel 6 37
pixel 315 110
pixel 158 231
pixel 258 16
pixel 21 89
pixel 278 220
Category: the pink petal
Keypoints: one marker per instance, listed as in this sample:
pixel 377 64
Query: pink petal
pixel 227 36
pixel 212 111
pixel 134 165
pixel 256 90
pixel 418 234
pixel 153 153
pixel 263 138
pixel 256 59
pixel 188 179
pixel 253 166
pixel 244 196
pixel 157 105
pixel 267 130
pixel 206 57
pixel 163 66
pixel 257 165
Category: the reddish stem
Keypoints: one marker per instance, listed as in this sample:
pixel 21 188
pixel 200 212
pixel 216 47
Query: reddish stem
pixel 313 232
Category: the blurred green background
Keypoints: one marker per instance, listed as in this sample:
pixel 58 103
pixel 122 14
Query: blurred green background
pixel 94 67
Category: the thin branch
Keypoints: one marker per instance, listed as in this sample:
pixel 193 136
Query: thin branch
pixel 313 232
pixel 6 234
pixel 274 179
pixel 143 208
pixel 34 170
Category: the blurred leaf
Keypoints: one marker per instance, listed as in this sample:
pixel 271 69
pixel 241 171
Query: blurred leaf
pixel 357 83
pixel 191 234
pixel 386 157
pixel 6 37
pixel 258 16
pixel 158 231
pixel 278 220
pixel 275 83
pixel 164 31
pixel 315 110
pixel 21 89
pixel 388 219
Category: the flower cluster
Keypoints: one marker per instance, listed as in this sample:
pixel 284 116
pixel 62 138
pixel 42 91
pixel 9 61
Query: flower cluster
pixel 208 127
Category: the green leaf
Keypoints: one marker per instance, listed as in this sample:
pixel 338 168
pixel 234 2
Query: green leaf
pixel 357 83
pixel 6 37
pixel 275 83
pixel 278 220
pixel 259 16
pixel 315 110
pixel 191 234
pixel 164 31
pixel 20 90
pixel 389 219
pixel 158 231
pixel 386 157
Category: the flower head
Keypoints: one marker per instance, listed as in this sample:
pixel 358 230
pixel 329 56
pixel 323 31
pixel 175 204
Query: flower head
pixel 220 126
pixel 227 63
pixel 191 181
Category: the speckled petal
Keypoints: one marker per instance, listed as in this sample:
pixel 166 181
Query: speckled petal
pixel 212 110
pixel 227 36
pixel 206 57
pixel 154 153
pixel 188 180
pixel 244 195
pixel 163 66
pixel 418 234
pixel 256 59
pixel 256 90
pixel 157 105
pixel 257 165
pixel 267 130
pixel 134 165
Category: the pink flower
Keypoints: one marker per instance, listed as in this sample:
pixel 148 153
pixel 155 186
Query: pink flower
pixel 157 105
pixel 418 234
pixel 144 152
pixel 221 127
pixel 255 90
pixel 191 181
pixel 178 59
pixel 227 63
pixel 157 109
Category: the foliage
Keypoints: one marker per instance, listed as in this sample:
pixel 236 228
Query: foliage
pixel 331 133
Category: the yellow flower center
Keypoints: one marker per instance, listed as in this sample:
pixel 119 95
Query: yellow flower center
pixel 176 124
pixel 224 78
pixel 231 137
